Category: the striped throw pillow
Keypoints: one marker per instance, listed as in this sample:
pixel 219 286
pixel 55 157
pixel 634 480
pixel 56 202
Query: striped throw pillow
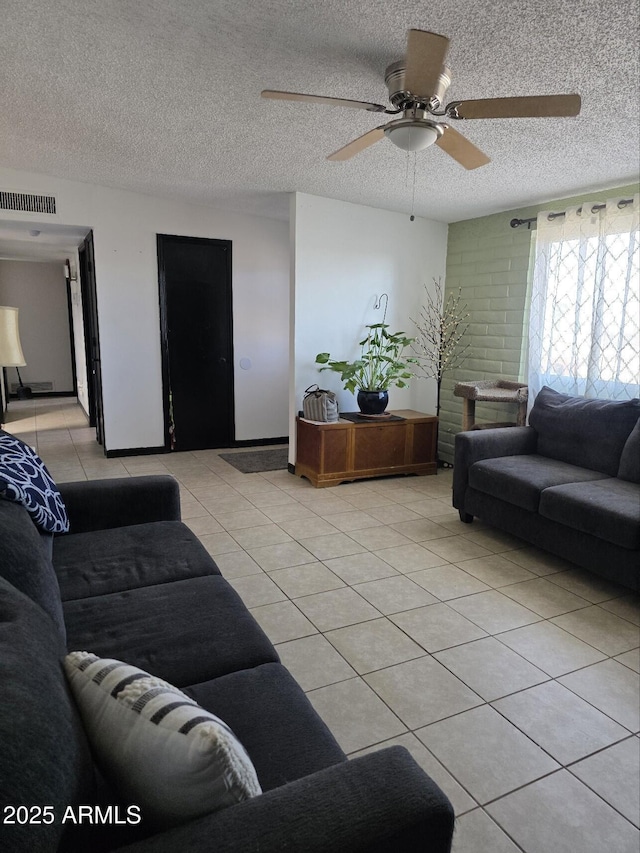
pixel 158 748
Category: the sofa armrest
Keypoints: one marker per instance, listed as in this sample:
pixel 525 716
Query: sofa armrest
pixel 474 445
pixel 378 802
pixel 102 504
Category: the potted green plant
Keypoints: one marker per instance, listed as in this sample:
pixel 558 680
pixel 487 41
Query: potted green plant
pixel 382 364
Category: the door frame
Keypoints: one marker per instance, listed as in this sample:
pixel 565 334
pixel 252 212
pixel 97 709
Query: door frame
pixel 72 338
pixel 164 329
pixel 89 296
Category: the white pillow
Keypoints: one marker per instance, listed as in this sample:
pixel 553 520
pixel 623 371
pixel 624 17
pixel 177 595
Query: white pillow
pixel 158 748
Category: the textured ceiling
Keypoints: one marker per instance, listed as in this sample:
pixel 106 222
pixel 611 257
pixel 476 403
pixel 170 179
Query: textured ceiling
pixel 163 97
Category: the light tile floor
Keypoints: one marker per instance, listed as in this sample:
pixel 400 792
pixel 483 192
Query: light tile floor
pixel 510 675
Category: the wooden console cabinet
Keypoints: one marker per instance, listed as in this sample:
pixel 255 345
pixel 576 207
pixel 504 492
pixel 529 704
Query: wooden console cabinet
pixel 328 454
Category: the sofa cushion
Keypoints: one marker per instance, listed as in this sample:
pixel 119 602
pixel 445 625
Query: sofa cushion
pixel 120 558
pixel 186 631
pixel 44 758
pixel 159 748
pixel 25 563
pixel 120 501
pixel 270 714
pixel 584 432
pixel 630 459
pixel 519 480
pixel 608 509
pixel 24 478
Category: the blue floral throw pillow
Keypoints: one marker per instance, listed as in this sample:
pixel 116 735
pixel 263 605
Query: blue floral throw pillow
pixel 25 479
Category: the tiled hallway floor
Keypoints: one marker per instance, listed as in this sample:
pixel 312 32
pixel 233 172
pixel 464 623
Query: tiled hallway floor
pixel 510 675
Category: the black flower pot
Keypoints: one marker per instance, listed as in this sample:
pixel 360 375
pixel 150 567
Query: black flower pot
pixel 372 402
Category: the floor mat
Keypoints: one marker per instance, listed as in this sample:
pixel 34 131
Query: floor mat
pixel 254 461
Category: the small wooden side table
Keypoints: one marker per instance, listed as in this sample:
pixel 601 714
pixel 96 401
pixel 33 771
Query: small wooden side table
pixel 329 454
pixel 494 391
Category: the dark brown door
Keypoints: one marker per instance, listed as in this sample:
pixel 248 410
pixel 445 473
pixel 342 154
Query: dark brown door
pixel 197 341
pixel 91 336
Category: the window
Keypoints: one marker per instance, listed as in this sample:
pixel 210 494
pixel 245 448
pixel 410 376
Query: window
pixel 584 336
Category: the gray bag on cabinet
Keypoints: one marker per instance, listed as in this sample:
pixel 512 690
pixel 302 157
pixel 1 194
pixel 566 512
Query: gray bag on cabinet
pixel 319 405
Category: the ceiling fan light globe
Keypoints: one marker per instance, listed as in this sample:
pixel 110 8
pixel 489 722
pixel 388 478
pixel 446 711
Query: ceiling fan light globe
pixel 412 137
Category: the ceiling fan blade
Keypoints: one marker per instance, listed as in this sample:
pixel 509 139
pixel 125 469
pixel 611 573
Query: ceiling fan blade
pixel 536 106
pixel 464 152
pixel 357 145
pixel 322 99
pixel 426 53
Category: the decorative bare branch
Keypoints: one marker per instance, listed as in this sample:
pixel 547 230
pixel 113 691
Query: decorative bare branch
pixel 439 343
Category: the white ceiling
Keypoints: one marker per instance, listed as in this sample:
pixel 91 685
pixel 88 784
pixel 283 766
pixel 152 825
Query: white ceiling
pixel 20 241
pixel 163 97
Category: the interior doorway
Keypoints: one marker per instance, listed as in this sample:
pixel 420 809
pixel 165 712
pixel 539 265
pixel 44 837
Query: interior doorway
pixel 196 331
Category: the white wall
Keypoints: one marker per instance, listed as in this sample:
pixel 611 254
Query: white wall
pixel 124 226
pixel 80 355
pixel 343 256
pixel 39 290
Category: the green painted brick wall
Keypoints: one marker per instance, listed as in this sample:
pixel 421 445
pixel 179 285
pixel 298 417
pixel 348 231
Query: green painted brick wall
pixel 489 261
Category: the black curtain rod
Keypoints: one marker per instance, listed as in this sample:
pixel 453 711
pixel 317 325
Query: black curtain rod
pixel 515 223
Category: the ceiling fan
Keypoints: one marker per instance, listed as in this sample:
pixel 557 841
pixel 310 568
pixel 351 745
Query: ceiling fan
pixel 417 87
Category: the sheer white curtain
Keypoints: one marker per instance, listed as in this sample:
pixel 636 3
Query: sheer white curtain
pixel 584 334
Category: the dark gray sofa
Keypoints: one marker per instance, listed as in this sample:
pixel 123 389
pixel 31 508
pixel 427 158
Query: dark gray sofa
pixel 569 482
pixel 130 581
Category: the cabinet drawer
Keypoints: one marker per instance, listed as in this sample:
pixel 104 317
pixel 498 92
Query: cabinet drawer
pixel 379 446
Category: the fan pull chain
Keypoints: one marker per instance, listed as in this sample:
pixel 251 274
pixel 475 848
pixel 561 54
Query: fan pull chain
pixel 413 195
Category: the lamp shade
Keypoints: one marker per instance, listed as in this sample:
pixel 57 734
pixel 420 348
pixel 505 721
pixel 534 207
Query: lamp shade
pixel 10 349
pixel 412 136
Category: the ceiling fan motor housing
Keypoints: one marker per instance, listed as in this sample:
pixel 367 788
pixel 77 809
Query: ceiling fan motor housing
pixel 400 97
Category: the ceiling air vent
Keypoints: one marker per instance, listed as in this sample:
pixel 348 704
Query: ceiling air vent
pixel 27 202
